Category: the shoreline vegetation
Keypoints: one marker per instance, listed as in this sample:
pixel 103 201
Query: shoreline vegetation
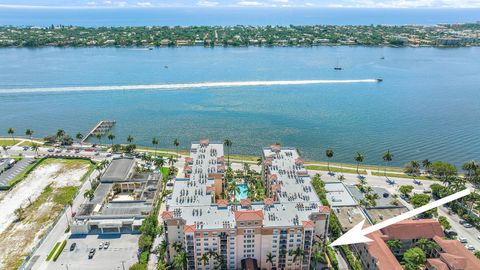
pixel 411 170
pixel 440 35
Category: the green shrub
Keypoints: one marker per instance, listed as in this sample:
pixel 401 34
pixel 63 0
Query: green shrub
pixel 332 257
pixel 138 266
pixel 60 249
pixel 53 251
pixel 143 257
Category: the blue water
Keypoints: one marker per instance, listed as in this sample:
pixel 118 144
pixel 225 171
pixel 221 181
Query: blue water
pixel 233 16
pixel 428 105
pixel 243 194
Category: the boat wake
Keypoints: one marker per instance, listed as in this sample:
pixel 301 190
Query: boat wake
pixel 178 86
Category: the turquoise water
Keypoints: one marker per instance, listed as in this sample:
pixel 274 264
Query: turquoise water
pixel 233 16
pixel 243 194
pixel 428 105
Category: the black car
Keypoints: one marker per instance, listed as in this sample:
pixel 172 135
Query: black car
pixel 72 246
pixel 91 253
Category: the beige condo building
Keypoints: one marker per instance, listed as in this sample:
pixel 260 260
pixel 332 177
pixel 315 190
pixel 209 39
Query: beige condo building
pixel 244 234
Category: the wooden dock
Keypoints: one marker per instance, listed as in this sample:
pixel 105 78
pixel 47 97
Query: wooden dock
pixel 101 128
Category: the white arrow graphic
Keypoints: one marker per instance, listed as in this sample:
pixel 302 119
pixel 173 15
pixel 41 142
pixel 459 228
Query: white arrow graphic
pixel 357 233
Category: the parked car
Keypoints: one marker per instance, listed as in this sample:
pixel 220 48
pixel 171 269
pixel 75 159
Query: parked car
pixel 51 150
pixel 72 246
pixel 470 247
pixel 462 240
pixel 106 244
pixel 58 151
pixel 108 155
pixel 478 236
pixel 468 225
pixel 25 148
pixel 462 221
pixel 100 246
pixel 91 253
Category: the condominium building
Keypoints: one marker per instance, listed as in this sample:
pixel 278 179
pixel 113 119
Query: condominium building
pixel 245 235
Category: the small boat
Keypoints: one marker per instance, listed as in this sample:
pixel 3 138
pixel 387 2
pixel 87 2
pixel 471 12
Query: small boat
pixel 165 66
pixel 150 48
pixel 379 80
pixel 383 57
pixel 337 66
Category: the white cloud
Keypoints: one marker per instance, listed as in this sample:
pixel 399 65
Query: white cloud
pixel 280 1
pixel 205 3
pixel 249 4
pixel 144 4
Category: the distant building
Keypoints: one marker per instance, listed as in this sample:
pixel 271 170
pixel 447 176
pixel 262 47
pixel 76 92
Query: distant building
pixel 449 41
pixel 451 254
pixel 120 202
pixel 244 233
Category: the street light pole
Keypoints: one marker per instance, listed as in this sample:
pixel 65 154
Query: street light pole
pixel 123 265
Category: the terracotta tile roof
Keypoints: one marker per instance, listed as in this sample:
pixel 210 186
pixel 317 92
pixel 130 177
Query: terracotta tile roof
pixel 210 189
pixel 189 228
pixel 302 173
pixel 188 159
pixel 379 249
pixel 457 255
pixel 248 215
pixel 204 141
pixel 222 203
pixel 273 177
pixel 268 201
pixel 276 187
pixel 221 159
pixel 324 209
pixel 436 264
pixel 167 214
pixel 221 167
pixel 308 224
pixel 187 168
pixel 299 161
pixel 413 229
pixel 275 147
pixel 267 162
pixel 245 202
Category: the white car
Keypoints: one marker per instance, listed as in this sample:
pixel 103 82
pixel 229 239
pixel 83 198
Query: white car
pixel 100 246
pixel 470 247
pixel 478 236
pixel 462 240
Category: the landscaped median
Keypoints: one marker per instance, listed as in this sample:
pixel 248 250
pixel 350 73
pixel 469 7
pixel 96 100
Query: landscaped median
pixel 56 251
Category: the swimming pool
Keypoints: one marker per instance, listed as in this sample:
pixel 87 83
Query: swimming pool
pixel 243 194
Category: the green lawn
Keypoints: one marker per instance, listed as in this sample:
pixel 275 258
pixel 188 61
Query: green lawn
pixel 402 175
pixel 8 142
pixel 335 169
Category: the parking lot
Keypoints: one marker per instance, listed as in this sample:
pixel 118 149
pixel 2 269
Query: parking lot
pixel 16 169
pixel 121 253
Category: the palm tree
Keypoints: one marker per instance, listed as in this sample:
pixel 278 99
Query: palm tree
pixel 60 133
pixel 99 138
pixel 204 259
pixel 180 260
pixel 111 137
pixel 35 147
pixel 394 244
pixel 228 143
pixel 79 137
pixel 178 246
pixel 176 143
pixel 129 139
pixel 171 160
pixel 387 157
pixel 270 258
pixel 427 164
pixel 414 167
pixel 29 133
pixel 88 194
pixel 329 154
pixel 155 143
pixel 10 132
pixel 427 246
pixel 359 159
pixel 297 254
pixel 233 188
pixel 470 168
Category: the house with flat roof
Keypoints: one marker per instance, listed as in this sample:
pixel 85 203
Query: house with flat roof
pixel 244 233
pixel 121 201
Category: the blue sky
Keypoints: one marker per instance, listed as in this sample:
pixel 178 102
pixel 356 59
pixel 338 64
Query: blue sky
pixel 242 3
